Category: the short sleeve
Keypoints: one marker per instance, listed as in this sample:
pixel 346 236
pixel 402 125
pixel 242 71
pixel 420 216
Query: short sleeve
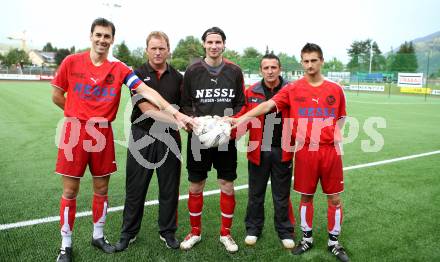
pixel 281 99
pixel 61 77
pixel 342 105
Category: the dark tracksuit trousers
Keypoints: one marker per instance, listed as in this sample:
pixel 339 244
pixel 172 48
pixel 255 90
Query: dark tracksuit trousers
pixel 138 179
pixel 280 174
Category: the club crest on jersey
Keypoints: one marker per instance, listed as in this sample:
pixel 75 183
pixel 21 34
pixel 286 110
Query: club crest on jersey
pixel 331 100
pixel 109 79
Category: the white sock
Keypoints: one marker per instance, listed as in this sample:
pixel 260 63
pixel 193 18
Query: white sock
pixel 308 239
pixel 66 236
pixel 332 243
pixel 98 230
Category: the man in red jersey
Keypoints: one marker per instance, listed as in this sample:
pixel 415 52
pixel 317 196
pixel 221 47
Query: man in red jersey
pixel 93 82
pixel 317 108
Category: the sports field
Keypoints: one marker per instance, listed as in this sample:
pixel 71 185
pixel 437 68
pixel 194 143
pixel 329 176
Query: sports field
pixel 392 208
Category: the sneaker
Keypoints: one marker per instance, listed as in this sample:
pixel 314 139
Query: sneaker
pixel 229 243
pixel 250 240
pixel 288 243
pixel 302 247
pixel 123 243
pixel 170 241
pixel 339 252
pixel 103 244
pixel 65 255
pixel 189 241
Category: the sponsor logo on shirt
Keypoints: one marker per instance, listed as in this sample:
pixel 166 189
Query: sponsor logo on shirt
pixel 78 75
pixel 315 100
pixel 95 93
pixel 214 80
pixel 312 112
pixel 211 95
pixel 300 99
pixel 94 80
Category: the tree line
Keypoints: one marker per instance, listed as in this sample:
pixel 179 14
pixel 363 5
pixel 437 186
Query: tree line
pixel 364 55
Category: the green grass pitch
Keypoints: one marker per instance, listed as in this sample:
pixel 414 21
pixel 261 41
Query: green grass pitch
pixel 391 211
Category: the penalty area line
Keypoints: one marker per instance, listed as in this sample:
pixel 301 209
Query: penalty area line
pixel 206 193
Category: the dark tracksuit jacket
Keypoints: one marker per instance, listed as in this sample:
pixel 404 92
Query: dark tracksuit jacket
pixel 268 161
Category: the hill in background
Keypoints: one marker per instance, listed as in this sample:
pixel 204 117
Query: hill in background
pixel 428 45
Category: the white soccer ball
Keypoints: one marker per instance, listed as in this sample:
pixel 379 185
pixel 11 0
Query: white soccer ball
pixel 212 131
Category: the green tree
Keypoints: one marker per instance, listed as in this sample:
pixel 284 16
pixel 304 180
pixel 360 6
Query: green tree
pixel 60 55
pixel 405 60
pixel 179 64
pixel 288 63
pixel 72 50
pixel 232 55
pixel 333 65
pixel 49 48
pixel 122 53
pixel 15 56
pixel 250 60
pixel 187 50
pixel 359 53
pixel 138 57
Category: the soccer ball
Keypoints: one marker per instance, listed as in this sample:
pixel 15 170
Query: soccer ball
pixel 212 131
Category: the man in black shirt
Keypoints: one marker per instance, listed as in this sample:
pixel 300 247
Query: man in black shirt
pixel 212 86
pixel 154 145
pixel 268 159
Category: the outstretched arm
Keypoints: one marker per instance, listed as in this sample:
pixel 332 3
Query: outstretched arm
pixel 155 98
pixel 261 109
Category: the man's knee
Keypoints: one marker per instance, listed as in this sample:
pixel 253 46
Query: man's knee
pixel 334 199
pixel 226 187
pixel 307 198
pixel 197 187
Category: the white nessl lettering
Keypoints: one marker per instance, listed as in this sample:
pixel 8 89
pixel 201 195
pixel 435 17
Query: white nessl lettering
pixel 215 92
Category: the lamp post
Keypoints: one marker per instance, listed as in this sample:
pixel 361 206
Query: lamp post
pixel 112 7
pixel 371 56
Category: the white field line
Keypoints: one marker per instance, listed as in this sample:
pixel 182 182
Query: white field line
pixel 207 193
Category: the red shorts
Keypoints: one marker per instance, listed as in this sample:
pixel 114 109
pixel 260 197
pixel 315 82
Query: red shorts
pixel 325 165
pixel 84 143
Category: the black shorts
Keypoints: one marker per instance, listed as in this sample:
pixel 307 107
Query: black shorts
pixel 200 161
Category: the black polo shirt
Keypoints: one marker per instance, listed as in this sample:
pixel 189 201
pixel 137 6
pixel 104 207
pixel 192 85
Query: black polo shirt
pixel 168 86
pixel 278 128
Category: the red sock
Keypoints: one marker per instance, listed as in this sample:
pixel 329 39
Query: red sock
pixel 306 212
pixel 195 206
pixel 334 218
pixel 291 214
pixel 99 210
pixel 227 206
pixel 67 219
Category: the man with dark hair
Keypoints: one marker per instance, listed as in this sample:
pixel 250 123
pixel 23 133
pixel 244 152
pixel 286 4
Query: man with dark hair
pixel 267 159
pixel 143 159
pixel 93 85
pixel 212 86
pixel 317 107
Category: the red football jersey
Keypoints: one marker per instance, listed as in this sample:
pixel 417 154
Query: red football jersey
pixel 315 110
pixel 93 91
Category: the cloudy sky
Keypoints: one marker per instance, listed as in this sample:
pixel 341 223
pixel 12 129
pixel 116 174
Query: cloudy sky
pixel 283 25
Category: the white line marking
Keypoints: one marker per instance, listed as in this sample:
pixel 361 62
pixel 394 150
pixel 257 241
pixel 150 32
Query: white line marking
pixel 207 193
pixel 393 103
